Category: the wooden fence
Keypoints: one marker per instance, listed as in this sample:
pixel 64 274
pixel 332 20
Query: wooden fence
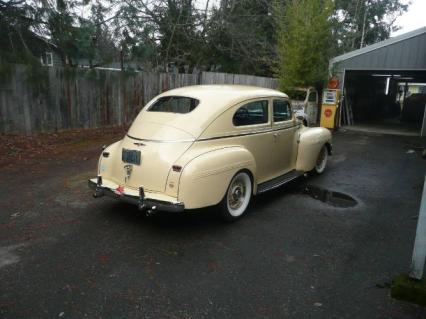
pixel 46 99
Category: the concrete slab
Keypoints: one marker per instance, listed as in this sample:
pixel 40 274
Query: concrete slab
pixel 399 130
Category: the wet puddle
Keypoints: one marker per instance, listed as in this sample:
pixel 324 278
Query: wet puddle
pixel 332 198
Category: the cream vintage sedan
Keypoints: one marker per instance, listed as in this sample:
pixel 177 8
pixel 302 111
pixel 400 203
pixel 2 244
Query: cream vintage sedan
pixel 207 145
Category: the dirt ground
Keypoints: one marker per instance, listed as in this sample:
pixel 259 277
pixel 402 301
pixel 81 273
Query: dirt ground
pixel 64 254
pixel 17 151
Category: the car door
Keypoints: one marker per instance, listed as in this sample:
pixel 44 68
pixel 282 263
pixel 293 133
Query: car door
pixel 252 128
pixel 284 129
pixel 312 107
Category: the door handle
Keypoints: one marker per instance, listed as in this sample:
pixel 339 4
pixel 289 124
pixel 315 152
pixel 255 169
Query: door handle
pixel 276 134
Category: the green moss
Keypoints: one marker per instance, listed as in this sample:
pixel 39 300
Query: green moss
pixel 407 289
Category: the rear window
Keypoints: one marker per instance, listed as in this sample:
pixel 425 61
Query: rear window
pixel 174 104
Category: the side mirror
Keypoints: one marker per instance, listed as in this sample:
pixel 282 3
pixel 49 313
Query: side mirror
pixel 299 117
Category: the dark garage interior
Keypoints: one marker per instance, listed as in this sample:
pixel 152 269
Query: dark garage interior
pixel 383 85
pixel 388 100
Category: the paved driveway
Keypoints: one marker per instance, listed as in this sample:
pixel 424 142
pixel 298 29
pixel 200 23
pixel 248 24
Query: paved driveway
pixel 64 254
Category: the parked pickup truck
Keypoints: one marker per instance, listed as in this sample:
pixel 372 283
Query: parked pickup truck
pixel 304 102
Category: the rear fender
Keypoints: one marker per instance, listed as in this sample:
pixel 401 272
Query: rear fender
pixel 205 179
pixel 311 141
pixel 112 155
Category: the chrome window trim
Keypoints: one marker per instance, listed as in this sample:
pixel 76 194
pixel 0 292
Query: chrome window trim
pixel 248 133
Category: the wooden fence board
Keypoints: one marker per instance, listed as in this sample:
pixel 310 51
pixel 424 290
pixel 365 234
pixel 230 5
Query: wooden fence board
pixel 60 99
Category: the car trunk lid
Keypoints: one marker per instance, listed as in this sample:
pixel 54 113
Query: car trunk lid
pixel 155 157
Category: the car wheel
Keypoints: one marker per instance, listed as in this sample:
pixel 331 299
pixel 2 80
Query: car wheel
pixel 321 161
pixel 305 123
pixel 237 197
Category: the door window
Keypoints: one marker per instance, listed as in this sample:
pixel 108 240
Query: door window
pixel 251 114
pixel 312 97
pixel 282 111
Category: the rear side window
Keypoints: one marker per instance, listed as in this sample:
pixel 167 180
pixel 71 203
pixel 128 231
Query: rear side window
pixel 251 114
pixel 174 104
pixel 282 111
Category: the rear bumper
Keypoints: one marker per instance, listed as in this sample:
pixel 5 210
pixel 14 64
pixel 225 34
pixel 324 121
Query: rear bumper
pixel 141 201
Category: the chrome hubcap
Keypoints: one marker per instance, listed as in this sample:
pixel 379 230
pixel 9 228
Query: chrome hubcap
pixel 236 194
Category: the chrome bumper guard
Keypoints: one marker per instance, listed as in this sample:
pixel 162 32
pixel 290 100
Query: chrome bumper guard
pixel 143 203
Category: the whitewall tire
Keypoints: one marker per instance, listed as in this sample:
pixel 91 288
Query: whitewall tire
pixel 237 196
pixel 321 162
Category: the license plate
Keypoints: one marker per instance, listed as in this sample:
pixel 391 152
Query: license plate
pixel 131 156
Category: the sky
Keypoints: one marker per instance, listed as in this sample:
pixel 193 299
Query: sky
pixel 413 19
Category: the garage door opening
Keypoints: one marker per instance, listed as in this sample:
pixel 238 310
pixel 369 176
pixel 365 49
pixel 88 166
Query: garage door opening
pixel 384 102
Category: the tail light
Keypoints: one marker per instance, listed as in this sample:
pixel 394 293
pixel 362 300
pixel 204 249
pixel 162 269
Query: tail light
pixel 176 168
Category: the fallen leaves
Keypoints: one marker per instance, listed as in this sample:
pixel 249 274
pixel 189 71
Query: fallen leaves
pixel 104 258
pixel 18 150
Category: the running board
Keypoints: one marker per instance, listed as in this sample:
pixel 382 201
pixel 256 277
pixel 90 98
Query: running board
pixel 278 181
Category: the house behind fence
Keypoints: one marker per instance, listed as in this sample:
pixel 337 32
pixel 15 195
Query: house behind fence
pixel 48 99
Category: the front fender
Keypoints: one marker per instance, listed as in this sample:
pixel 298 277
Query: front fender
pixel 311 141
pixel 205 179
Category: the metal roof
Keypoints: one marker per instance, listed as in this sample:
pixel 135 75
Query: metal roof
pixel 407 51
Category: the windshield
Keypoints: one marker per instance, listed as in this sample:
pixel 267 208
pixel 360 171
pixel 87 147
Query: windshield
pixel 298 95
pixel 174 104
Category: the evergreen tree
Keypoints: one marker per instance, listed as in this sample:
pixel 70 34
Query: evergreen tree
pixel 236 36
pixel 358 23
pixel 304 34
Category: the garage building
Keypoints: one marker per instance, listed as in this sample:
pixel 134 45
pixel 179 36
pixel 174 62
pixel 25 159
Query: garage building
pixel 384 85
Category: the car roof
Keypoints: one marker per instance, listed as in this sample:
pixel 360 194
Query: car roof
pixel 214 100
pixel 227 94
